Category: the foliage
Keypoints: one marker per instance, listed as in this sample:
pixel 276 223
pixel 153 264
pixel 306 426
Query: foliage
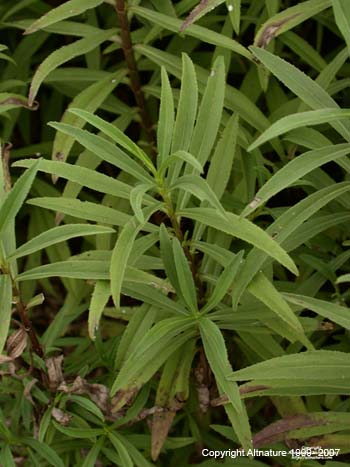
pixel 174 257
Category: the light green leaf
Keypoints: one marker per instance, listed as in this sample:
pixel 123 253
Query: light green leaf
pixel 265 291
pixel 216 353
pixel 104 150
pixel 198 187
pixel 44 450
pixel 150 353
pixel 287 19
pixel 6 457
pixel 120 256
pixel 283 228
pixel 307 373
pixel 300 120
pixel 136 197
pixel 343 278
pixel 166 119
pixel 243 229
pixel 91 458
pixel 5 308
pixel 15 198
pixel 67 10
pixel 83 433
pixel 187 107
pixel 184 277
pixel 90 99
pixel 223 283
pixel 82 175
pixel 203 34
pixel 99 299
pixel 116 135
pixel 119 446
pixel 303 86
pixel 182 156
pixel 57 235
pixel 62 55
pixel 336 313
pixel 341 10
pixel 203 7
pixel 221 162
pixel 82 209
pixel 295 170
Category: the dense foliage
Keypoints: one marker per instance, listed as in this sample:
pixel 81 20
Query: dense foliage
pixel 174 240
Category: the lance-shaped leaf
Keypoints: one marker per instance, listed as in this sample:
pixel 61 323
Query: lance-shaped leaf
pixel 203 7
pixel 15 198
pixel 243 229
pixel 341 9
pixel 115 134
pixel 224 282
pixel 184 277
pixel 104 150
pixel 149 354
pixel 300 120
pixel 336 313
pixel 294 170
pixel 307 373
pixel 216 353
pixel 67 10
pixel 57 235
pixel 62 55
pixel 99 299
pixel 5 308
pixel 265 291
pixel 166 119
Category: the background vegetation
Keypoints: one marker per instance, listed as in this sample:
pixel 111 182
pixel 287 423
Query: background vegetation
pixel 174 231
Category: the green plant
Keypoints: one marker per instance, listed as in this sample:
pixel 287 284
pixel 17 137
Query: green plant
pixel 190 271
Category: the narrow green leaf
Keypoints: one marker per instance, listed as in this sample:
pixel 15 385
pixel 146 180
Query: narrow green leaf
pixel 216 353
pixel 303 86
pixel 336 313
pixel 243 229
pixel 99 299
pixel 120 256
pixel 295 170
pixel 119 446
pixel 82 175
pixel 5 308
pixel 221 162
pixel 82 209
pixel 341 10
pixel 150 353
pixel 182 156
pixel 288 19
pixel 203 7
pixel 91 458
pixel 67 10
pixel 136 197
pixel 62 55
pixel 15 198
pixel 166 119
pixel 57 235
pixel 45 451
pixel 89 99
pixel 104 150
pixel 184 277
pixel 6 457
pixel 224 282
pixel 203 34
pixel 198 187
pixel 115 134
pixel 265 291
pixel 307 373
pixel 187 107
pixel 300 120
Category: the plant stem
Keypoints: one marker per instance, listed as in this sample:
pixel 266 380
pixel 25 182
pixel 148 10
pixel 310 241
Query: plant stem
pixel 134 75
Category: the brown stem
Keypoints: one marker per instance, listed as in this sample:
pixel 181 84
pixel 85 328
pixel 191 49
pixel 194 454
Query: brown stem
pixel 134 75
